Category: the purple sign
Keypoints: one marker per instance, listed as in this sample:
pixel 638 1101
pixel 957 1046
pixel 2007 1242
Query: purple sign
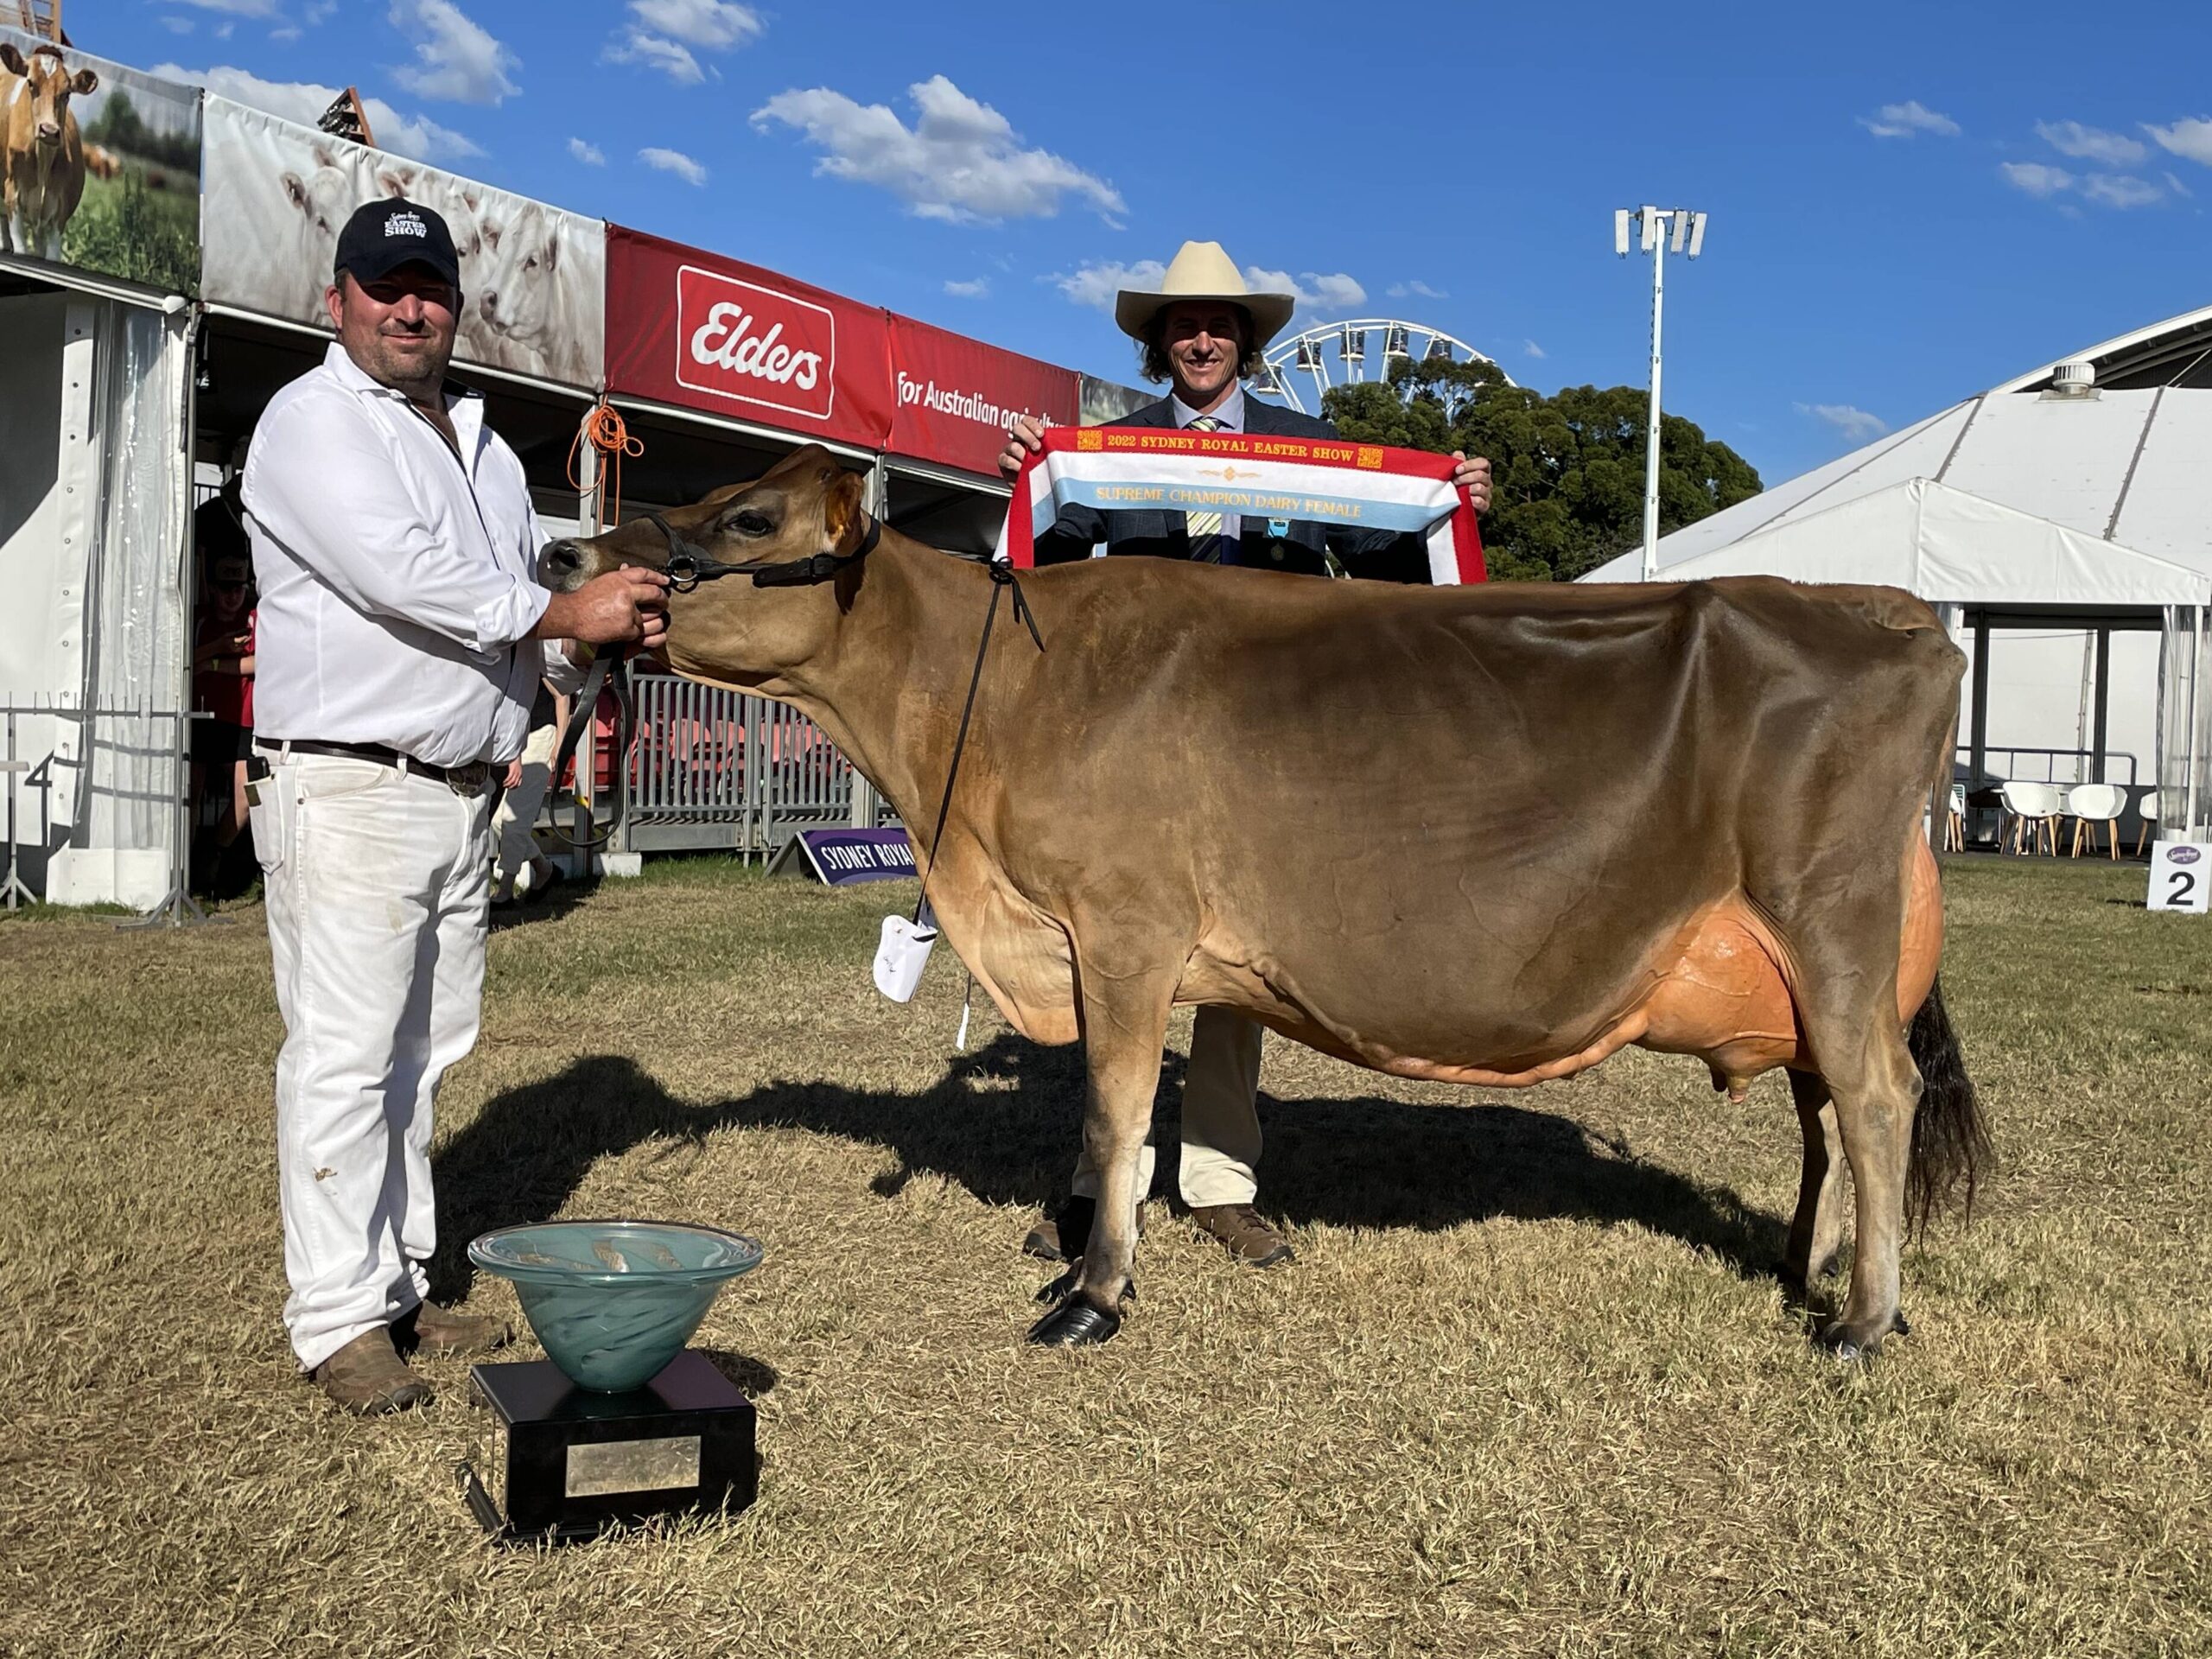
pixel 841 857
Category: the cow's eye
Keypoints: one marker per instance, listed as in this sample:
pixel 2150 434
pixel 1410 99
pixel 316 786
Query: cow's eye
pixel 749 523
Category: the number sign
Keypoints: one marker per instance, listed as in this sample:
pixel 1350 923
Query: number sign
pixel 2179 871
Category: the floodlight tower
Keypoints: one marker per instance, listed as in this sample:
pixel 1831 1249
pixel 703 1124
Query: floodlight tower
pixel 1664 230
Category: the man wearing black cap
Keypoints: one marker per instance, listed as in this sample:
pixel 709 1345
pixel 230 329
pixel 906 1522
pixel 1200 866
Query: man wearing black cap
pixel 402 634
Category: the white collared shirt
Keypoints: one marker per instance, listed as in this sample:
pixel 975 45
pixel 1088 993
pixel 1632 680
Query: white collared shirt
pixel 397 587
pixel 1228 417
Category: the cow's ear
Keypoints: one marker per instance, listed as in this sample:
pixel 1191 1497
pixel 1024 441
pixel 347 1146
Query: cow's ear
pixel 85 83
pixel 842 512
pixel 553 251
pixel 394 181
pixel 294 189
pixel 13 58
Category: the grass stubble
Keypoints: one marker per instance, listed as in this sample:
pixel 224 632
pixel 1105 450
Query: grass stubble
pixel 1530 1388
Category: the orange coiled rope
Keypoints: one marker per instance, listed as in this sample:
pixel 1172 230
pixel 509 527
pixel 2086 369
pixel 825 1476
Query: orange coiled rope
pixel 604 429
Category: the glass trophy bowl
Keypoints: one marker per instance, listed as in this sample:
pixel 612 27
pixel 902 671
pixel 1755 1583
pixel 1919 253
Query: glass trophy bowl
pixel 615 1301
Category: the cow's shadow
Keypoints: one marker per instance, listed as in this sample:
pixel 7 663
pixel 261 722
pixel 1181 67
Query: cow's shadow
pixel 1004 1124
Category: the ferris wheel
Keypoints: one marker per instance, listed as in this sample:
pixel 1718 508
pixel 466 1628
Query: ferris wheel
pixel 1339 353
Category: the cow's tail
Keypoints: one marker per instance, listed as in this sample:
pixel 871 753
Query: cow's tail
pixel 1950 1143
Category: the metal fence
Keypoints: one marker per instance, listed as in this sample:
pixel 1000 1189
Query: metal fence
pixel 70 771
pixel 708 767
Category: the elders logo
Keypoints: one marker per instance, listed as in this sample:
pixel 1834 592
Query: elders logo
pixel 754 344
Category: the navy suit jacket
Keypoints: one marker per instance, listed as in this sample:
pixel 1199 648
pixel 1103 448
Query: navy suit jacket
pixel 1161 535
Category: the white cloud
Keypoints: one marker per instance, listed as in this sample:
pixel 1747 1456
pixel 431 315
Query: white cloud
pixel 2191 139
pixel 1855 424
pixel 1312 290
pixel 973 290
pixel 1904 120
pixel 713 24
pixel 319 11
pixel 238 7
pixel 2117 190
pixel 1098 284
pixel 2177 185
pixel 676 162
pixel 454 58
pixel 589 154
pixel 305 100
pixel 961 161
pixel 2037 179
pixel 2122 190
pixel 289 32
pixel 1422 290
pixel 651 52
pixel 179 25
pixel 1532 348
pixel 2091 143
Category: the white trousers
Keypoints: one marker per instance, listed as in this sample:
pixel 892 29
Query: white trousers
pixel 1221 1119
pixel 377 881
pixel 516 815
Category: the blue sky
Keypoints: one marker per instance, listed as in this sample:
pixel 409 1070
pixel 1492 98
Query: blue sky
pixel 1909 202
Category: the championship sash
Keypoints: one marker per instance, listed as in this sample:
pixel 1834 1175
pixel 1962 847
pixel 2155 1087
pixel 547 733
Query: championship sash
pixel 1252 474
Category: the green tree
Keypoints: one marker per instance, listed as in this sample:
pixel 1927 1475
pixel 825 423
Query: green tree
pixel 1569 467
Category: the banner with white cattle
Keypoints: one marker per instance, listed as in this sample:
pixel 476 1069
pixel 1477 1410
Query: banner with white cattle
pixel 533 278
pixel 102 164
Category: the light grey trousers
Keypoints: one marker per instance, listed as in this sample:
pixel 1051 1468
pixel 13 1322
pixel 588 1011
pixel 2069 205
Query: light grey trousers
pixel 1221 1123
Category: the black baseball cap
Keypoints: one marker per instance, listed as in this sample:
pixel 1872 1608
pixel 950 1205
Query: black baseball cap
pixel 391 231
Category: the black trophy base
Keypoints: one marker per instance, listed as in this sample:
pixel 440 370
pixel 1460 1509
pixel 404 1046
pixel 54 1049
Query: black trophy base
pixel 566 1463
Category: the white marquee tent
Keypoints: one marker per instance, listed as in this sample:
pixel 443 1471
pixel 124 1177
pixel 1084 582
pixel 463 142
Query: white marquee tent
pixel 2075 496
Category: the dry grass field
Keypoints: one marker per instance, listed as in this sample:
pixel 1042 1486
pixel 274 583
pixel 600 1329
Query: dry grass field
pixel 1530 1387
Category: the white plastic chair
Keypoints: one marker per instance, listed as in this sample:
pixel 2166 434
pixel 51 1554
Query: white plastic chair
pixel 2147 809
pixel 1955 825
pixel 2089 804
pixel 2035 809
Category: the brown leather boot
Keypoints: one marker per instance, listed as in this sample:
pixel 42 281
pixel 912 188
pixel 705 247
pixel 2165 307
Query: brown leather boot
pixel 429 1329
pixel 1240 1230
pixel 368 1376
pixel 1062 1233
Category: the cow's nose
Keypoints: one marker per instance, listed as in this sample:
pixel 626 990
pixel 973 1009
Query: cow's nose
pixel 558 564
pixel 49 131
pixel 491 301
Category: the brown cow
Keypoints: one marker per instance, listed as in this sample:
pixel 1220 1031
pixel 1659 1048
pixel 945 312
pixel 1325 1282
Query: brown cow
pixel 45 156
pixel 1485 834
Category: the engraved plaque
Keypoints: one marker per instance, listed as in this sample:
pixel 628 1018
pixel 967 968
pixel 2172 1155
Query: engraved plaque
pixel 633 1466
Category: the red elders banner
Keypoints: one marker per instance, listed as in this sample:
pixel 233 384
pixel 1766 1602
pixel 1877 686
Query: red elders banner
pixel 692 328
pixel 957 395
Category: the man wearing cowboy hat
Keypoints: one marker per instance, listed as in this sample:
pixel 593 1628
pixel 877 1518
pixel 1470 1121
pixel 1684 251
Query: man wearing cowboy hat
pixel 1203 331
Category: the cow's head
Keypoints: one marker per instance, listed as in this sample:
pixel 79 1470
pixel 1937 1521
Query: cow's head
pixel 730 630
pixel 519 299
pixel 48 87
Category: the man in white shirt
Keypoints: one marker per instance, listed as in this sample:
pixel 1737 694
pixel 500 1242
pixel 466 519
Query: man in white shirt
pixel 402 634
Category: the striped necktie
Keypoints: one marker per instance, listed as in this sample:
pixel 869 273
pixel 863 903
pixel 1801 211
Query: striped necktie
pixel 1207 543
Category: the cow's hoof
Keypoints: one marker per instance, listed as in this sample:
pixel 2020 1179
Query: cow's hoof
pixel 1075 1325
pixel 1853 1340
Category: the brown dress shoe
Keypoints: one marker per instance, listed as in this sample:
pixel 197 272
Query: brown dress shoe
pixel 1062 1233
pixel 427 1328
pixel 1240 1231
pixel 368 1376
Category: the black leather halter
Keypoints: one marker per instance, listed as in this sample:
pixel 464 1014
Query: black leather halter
pixel 690 564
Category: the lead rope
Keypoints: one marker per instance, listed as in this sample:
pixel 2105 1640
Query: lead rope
pixel 1001 576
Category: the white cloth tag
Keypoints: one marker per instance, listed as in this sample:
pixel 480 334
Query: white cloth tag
pixel 899 959
pixel 967 999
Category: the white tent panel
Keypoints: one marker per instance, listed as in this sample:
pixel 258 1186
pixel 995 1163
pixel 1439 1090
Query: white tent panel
pixel 1917 451
pixel 2063 459
pixel 2168 508
pixel 1952 548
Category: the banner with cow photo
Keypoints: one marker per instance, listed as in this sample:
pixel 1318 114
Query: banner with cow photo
pixel 533 277
pixel 102 164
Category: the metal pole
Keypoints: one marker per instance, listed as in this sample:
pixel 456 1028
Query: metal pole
pixel 2103 705
pixel 2189 739
pixel 1655 231
pixel 878 499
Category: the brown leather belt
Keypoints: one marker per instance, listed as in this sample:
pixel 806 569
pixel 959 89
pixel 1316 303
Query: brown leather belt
pixel 472 778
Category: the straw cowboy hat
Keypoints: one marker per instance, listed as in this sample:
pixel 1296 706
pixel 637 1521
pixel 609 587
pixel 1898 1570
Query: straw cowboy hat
pixel 1202 271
